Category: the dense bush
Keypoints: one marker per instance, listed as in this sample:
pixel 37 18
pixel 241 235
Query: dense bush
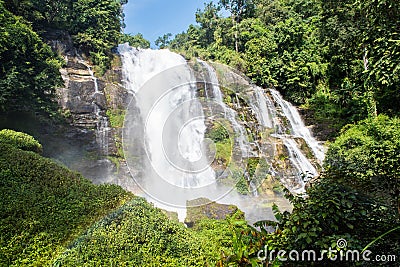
pixel 330 212
pixel 48 216
pixel 356 199
pixel 366 157
pixel 20 140
pixel 138 234
pixel 29 70
pixel 95 26
pixel 44 206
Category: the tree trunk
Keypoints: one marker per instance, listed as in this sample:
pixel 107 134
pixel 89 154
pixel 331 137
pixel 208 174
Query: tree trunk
pixel 371 102
pixel 234 23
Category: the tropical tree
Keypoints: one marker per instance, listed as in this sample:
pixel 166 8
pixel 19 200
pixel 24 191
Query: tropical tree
pixel 239 9
pixel 29 71
pixel 163 41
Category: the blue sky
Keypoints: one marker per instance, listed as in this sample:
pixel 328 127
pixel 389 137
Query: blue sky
pixel 154 18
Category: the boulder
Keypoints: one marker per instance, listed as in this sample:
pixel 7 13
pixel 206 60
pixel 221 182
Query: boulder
pixel 203 208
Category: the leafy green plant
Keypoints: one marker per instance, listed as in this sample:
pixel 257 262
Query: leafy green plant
pixel 218 132
pixel 20 140
pixel 366 157
pixel 30 70
pixel 44 206
pixel 116 117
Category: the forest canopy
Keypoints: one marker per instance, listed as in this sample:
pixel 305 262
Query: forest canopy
pixel 29 70
pixel 339 59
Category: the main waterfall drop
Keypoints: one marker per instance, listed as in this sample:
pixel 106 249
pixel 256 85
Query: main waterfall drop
pixel 164 130
pixel 173 105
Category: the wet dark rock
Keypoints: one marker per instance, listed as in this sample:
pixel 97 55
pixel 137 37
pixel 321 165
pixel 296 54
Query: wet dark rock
pixel 100 100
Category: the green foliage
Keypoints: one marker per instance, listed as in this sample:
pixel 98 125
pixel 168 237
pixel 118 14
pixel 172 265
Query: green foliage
pixel 48 216
pixel 366 157
pixel 135 40
pixel 116 117
pixel 364 55
pixel 241 184
pixel 356 198
pixel 137 234
pixel 95 25
pixel 208 20
pixel 218 132
pixel 20 140
pixel 44 206
pixel 29 70
pixel 330 212
pixel 224 151
pixel 239 9
pixel 163 41
pixel 341 58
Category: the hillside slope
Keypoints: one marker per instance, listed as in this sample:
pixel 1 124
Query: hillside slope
pixel 51 216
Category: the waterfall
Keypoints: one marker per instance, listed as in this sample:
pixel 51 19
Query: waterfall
pixel 297 125
pixel 264 108
pixel 230 114
pixel 164 132
pixel 172 108
pixel 268 116
pixel 176 166
pixel 301 163
pixel 102 127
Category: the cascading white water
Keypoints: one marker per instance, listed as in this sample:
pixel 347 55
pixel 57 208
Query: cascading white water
pixel 300 162
pixel 165 127
pixel 268 116
pixel 177 168
pixel 264 108
pixel 297 158
pixel 102 127
pixel 229 113
pixel 172 108
pixel 297 125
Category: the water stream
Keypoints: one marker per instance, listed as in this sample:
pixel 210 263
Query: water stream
pixel 102 127
pixel 164 133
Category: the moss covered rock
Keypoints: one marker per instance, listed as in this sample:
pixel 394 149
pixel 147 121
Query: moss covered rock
pixel 202 208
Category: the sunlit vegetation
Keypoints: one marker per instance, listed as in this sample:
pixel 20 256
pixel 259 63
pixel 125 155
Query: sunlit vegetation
pixel 29 70
pixel 356 198
pixel 137 234
pixel 20 140
pixel 338 59
pixel 53 216
pixel 45 206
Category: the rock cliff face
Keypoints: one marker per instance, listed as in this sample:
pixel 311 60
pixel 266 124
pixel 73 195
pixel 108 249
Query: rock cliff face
pixel 85 97
pixel 79 96
pixel 88 144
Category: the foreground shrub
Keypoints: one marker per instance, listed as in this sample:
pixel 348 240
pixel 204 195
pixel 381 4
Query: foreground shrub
pixel 44 206
pixel 20 140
